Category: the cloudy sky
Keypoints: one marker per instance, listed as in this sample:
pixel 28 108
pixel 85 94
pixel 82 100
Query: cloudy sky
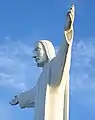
pixel 22 23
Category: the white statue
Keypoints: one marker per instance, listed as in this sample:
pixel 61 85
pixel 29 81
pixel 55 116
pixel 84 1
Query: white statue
pixel 50 96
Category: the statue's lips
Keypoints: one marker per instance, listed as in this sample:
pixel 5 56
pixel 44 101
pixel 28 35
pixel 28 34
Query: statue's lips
pixel 36 58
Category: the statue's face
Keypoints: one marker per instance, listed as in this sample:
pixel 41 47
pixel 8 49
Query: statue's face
pixel 40 55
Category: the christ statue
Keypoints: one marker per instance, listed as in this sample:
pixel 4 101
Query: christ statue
pixel 50 95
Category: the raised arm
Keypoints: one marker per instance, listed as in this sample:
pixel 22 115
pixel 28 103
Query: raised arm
pixel 64 52
pixel 68 34
pixel 25 99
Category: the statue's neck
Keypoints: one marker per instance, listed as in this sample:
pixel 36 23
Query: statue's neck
pixel 45 64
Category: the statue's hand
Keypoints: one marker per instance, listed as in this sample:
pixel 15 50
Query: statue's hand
pixel 14 101
pixel 70 18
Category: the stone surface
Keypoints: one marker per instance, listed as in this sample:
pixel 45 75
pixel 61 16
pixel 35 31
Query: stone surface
pixel 50 95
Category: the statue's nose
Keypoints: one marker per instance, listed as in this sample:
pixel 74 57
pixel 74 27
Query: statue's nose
pixel 34 56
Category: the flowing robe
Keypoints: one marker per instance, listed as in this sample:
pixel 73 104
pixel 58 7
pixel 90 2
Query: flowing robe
pixel 50 96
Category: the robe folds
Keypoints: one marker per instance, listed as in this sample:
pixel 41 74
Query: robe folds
pixel 50 95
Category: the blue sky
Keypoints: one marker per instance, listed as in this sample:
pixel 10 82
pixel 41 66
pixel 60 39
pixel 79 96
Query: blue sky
pixel 22 23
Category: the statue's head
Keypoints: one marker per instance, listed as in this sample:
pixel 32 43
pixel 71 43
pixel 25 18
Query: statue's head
pixel 43 52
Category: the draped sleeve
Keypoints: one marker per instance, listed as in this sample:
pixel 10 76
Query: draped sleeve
pixel 61 63
pixel 27 99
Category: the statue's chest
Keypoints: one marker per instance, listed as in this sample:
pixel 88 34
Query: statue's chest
pixel 44 78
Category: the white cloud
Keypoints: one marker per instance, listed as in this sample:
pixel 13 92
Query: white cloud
pixel 82 71
pixel 16 65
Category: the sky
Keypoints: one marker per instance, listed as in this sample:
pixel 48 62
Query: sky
pixel 22 23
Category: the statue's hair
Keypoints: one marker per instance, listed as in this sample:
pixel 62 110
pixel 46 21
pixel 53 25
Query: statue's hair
pixel 49 48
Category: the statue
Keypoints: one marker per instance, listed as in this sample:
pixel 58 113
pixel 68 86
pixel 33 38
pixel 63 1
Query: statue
pixel 50 95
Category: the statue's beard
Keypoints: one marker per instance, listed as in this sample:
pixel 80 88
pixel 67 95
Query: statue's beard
pixel 42 63
pixel 39 64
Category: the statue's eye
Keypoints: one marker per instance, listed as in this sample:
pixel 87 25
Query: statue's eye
pixel 36 49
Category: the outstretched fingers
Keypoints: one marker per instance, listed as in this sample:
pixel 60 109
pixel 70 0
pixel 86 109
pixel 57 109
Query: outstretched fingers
pixel 71 14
